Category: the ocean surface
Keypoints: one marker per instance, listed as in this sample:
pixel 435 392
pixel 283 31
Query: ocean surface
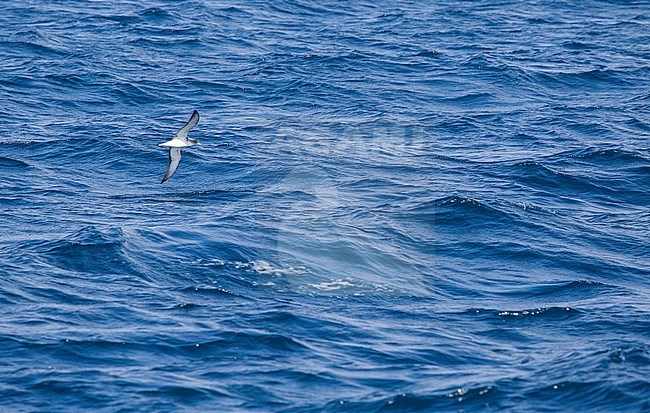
pixel 398 206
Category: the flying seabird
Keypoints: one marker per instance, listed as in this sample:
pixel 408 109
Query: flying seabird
pixel 180 140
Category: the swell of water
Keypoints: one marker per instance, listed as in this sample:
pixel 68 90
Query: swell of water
pixel 398 206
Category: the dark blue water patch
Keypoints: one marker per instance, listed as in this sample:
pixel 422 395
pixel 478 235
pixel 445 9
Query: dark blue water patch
pixel 466 209
pixel 11 163
pixel 397 207
pixel 566 290
pixel 87 251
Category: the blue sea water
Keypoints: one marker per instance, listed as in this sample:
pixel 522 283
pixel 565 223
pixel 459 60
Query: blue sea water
pixel 399 206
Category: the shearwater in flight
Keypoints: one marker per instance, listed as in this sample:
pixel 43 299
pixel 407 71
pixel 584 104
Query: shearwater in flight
pixel 180 140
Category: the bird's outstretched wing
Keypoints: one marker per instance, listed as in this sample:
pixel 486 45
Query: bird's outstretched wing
pixel 174 160
pixel 182 132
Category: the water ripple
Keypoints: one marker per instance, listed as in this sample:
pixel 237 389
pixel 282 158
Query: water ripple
pixel 418 206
